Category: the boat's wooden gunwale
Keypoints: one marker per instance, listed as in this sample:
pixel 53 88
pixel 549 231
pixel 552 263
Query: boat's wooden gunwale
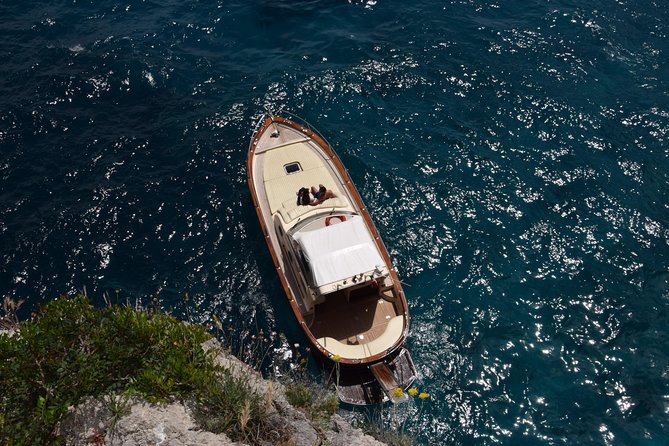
pixel 358 203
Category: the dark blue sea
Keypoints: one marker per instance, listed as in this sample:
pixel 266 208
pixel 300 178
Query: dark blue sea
pixel 514 156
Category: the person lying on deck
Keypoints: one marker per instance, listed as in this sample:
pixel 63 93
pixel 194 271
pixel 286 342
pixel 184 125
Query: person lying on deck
pixel 304 198
pixel 321 194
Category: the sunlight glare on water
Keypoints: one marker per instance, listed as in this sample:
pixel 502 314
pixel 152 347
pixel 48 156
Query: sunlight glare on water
pixel 513 157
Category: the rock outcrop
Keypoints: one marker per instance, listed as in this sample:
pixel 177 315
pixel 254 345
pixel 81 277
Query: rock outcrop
pixel 93 423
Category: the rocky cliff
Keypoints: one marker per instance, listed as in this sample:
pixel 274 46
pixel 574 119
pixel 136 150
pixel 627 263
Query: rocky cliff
pixel 92 422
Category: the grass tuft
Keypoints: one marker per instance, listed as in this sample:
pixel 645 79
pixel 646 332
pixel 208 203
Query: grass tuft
pixel 317 403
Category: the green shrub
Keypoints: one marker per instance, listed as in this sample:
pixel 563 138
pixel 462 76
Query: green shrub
pixel 226 405
pixel 72 350
pixel 299 395
pixel 318 403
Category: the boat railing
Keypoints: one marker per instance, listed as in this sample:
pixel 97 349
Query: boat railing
pixel 257 125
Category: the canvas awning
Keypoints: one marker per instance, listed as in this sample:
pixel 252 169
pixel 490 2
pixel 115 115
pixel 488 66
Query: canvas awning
pixel 339 251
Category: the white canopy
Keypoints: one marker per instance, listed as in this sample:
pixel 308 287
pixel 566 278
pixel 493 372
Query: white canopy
pixel 339 251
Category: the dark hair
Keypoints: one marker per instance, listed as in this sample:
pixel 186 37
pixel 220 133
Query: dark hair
pixel 322 189
pixel 303 197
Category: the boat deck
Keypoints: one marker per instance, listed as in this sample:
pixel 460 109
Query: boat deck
pixel 361 319
pixel 277 185
pixel 364 326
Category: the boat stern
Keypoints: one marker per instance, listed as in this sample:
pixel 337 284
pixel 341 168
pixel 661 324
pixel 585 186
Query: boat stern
pixel 377 383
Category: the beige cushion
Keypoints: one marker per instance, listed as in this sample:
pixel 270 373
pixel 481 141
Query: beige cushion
pixel 281 188
pixel 388 338
pixel 379 345
pixel 276 159
pixel 290 211
pixel 284 188
pixel 346 351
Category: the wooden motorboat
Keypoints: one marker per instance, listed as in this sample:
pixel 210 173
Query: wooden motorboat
pixel 332 263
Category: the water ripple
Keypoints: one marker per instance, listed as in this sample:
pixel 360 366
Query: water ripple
pixel 513 157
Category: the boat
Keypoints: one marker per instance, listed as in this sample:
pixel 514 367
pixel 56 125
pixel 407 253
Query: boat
pixel 333 266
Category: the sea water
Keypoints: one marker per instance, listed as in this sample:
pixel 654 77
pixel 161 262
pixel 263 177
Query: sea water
pixel 513 156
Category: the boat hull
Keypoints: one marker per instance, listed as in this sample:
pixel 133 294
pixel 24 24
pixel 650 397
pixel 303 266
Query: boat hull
pixel 356 322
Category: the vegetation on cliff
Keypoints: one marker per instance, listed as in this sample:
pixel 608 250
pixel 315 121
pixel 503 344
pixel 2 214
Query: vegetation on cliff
pixel 70 350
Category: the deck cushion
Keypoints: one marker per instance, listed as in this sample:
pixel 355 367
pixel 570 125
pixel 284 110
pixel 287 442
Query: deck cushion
pixel 281 188
pixel 392 333
pixel 299 152
pixel 290 211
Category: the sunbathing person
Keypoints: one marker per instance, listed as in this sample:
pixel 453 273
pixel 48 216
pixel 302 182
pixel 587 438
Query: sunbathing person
pixel 316 197
pixel 320 195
